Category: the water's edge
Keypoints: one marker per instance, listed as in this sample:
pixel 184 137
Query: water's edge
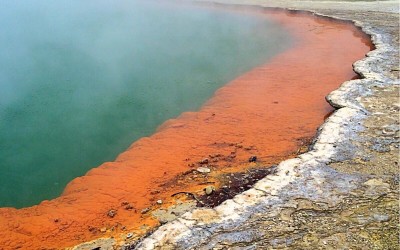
pixel 334 143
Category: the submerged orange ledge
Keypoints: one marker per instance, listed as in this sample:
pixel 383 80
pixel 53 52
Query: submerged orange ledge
pixel 265 111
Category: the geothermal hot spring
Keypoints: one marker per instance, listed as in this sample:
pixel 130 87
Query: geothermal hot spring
pixel 82 80
pixel 110 106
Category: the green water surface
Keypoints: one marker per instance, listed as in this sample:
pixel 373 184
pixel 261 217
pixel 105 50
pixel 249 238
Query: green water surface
pixel 80 80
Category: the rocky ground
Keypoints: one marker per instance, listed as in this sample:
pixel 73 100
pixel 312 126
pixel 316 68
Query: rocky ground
pixel 344 192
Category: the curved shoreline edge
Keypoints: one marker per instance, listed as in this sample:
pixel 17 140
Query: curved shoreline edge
pixel 305 182
pixel 120 199
pixel 314 189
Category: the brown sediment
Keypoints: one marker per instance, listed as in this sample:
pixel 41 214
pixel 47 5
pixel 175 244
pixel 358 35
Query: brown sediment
pixel 265 113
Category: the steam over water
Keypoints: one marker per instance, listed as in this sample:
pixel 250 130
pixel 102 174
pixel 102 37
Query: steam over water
pixel 81 80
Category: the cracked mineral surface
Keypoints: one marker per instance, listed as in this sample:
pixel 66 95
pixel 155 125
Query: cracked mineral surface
pixel 344 193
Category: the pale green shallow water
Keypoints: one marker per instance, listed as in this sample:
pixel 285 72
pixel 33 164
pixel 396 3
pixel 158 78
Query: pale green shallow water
pixel 81 80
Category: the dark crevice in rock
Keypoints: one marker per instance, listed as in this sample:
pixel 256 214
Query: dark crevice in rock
pixel 234 184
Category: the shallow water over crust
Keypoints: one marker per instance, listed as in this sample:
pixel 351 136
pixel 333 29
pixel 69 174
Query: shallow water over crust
pixel 263 113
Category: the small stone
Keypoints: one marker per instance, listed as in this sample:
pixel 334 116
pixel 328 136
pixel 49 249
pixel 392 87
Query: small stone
pixel 209 190
pixel 103 229
pixel 381 217
pixel 253 158
pixel 159 202
pixel 111 213
pixel 376 182
pixel 286 214
pixel 145 210
pixel 203 170
pixel 204 161
pixel 129 235
pixel 364 235
pixel 128 207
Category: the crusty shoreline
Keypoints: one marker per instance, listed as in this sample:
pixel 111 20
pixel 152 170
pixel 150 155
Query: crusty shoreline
pixel 336 195
pixel 343 193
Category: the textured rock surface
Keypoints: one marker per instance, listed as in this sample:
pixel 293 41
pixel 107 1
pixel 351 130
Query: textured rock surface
pixel 344 192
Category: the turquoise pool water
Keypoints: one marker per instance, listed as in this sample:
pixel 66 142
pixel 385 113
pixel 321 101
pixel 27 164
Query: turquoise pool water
pixel 81 80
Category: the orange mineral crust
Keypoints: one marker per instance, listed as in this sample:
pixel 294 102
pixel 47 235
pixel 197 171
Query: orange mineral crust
pixel 265 113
